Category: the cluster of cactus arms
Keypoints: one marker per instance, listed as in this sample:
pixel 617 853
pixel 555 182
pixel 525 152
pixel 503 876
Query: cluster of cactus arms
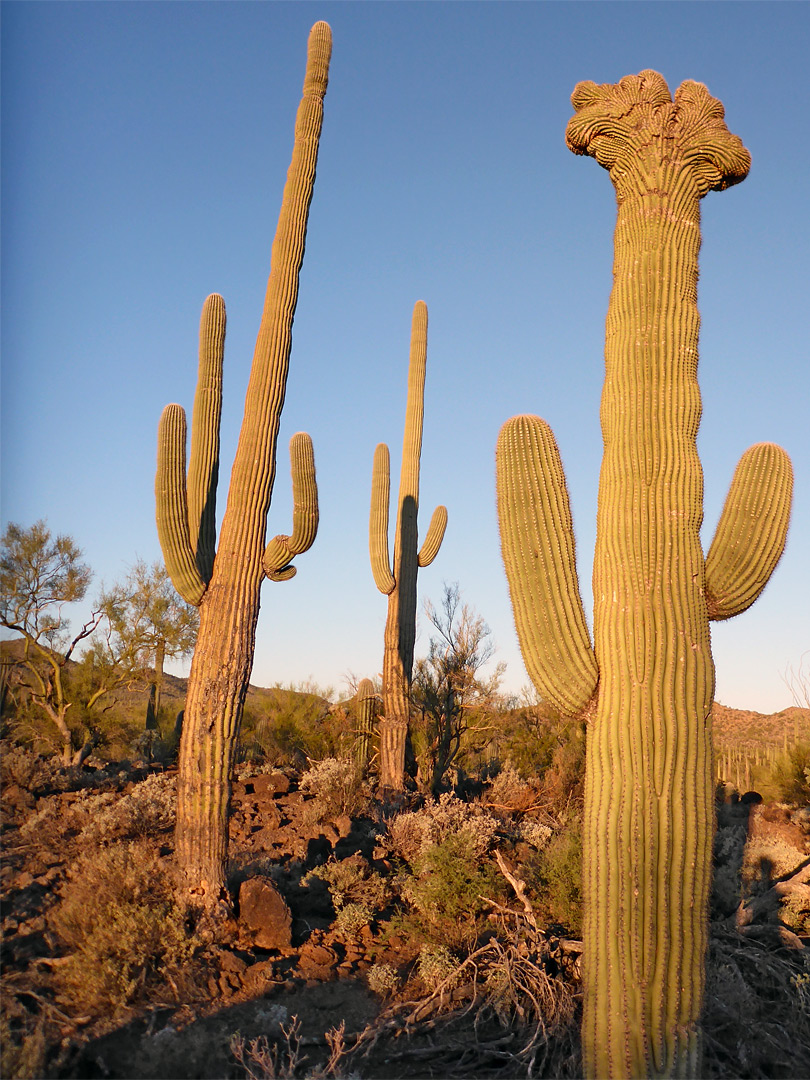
pixel 223 579
pixel 366 702
pixel 399 583
pixel 646 684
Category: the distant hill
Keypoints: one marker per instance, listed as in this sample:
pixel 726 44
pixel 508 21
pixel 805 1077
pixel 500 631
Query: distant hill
pixel 732 727
pixel 736 727
pixel 132 700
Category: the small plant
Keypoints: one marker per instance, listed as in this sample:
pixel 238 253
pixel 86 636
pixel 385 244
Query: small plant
pixel 791 775
pixel 447 887
pixel 509 790
pixel 554 877
pixel 123 932
pixel 352 881
pixel 438 967
pixel 352 918
pixel 383 979
pixel 536 834
pixel 412 833
pixel 150 807
pixel 337 786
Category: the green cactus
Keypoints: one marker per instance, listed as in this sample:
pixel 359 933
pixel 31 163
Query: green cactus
pixel 224 580
pixel 646 687
pixel 366 707
pixel 399 583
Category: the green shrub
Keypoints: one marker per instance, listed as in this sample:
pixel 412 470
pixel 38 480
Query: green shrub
pixel 445 888
pixel 124 935
pixel 554 879
pixel 293 725
pixel 790 775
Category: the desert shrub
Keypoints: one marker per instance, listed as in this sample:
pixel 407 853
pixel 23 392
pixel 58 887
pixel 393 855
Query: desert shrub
pixel 22 766
pixel 124 935
pixel 22 1051
pixel 383 979
pixel 509 790
pixel 437 966
pixel 352 918
pixel 411 833
pixel 337 786
pixel 533 832
pixel 446 888
pixel 150 807
pixel 553 875
pixel 352 881
pixel 729 850
pixel 291 725
pixel 790 775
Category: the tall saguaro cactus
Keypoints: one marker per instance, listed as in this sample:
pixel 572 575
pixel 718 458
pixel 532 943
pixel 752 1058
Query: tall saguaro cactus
pixel 224 580
pixel 647 684
pixel 399 583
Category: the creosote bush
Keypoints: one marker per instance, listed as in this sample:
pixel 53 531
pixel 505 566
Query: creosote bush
pixel 125 937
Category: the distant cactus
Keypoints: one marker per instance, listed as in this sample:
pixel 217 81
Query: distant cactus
pixel 224 580
pixel 646 686
pixel 399 583
pixel 366 702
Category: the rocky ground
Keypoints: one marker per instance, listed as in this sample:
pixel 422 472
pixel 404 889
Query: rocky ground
pixel 286 968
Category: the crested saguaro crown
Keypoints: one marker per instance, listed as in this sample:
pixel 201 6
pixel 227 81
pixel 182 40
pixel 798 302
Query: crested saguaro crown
pixel 646 684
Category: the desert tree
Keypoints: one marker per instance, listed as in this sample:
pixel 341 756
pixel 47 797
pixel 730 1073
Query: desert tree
pixel 40 575
pixel 148 623
pixel 450 692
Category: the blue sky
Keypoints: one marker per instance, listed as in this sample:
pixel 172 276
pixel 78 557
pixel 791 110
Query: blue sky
pixel 144 151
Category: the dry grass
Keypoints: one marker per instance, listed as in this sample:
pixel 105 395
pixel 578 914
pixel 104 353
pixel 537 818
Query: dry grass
pixel 756 1016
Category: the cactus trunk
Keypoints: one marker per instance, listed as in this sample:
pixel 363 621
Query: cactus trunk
pixel 366 699
pixel 399 583
pixel 226 586
pixel 646 690
pixel 648 831
pixel 649 812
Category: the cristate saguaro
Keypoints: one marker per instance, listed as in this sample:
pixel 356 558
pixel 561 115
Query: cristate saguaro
pixel 646 686
pixel 399 584
pixel 224 580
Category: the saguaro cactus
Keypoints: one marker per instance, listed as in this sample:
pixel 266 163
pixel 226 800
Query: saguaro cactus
pixel 646 686
pixel 224 580
pixel 366 702
pixel 399 583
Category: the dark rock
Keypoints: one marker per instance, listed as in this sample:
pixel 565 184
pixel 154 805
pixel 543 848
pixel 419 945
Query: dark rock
pixel 270 784
pixel 263 912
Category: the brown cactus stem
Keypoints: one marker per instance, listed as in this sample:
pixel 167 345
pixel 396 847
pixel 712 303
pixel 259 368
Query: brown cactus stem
pixel 229 610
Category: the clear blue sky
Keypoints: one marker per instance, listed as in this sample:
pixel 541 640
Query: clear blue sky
pixel 144 152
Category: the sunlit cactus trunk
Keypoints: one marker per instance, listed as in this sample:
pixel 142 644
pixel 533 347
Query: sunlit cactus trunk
pixel 646 689
pixel 649 790
pixel 399 583
pixel 226 585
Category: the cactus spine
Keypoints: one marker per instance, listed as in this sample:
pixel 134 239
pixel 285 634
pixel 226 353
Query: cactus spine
pixel 399 583
pixel 224 580
pixel 649 784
